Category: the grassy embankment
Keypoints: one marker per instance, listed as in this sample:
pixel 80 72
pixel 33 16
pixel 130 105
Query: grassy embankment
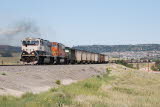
pixel 121 88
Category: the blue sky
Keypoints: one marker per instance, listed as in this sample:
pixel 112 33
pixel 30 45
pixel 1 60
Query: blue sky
pixel 82 22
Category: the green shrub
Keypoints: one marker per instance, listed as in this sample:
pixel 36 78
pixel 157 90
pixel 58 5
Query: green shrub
pixel 108 71
pixel 61 98
pixel 27 95
pixel 4 98
pixel 94 85
pixel 88 85
pixel 3 73
pixel 125 90
pixel 58 82
pixel 98 76
pixel 156 67
pixel 122 62
pixel 53 90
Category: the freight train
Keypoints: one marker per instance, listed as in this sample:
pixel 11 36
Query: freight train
pixel 40 51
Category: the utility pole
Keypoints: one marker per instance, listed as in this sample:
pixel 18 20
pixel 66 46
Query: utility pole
pixel 119 55
pixel 138 63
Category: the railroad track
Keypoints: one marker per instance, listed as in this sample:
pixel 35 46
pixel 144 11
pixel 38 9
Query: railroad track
pixel 16 65
pixel 51 65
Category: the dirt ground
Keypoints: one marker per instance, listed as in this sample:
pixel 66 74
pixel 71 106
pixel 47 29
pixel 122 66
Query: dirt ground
pixel 17 80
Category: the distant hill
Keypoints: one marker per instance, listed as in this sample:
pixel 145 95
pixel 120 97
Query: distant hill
pixel 119 48
pixel 95 48
pixel 7 51
pixel 9 48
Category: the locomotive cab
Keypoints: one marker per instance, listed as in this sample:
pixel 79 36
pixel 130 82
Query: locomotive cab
pixel 35 51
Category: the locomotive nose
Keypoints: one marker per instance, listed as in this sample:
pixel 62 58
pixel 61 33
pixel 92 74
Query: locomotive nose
pixel 24 53
pixel 33 53
pixel 29 57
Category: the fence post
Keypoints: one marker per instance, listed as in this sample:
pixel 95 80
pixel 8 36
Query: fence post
pixel 2 62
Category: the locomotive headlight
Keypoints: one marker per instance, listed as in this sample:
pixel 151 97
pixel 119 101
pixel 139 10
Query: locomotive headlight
pixel 32 53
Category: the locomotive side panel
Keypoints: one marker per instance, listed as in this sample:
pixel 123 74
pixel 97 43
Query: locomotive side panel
pixel 58 53
pixel 58 50
pixel 45 46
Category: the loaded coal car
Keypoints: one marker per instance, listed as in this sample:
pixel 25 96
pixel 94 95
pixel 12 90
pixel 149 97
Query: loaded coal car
pixel 77 56
pixel 74 55
pixel 106 59
pixel 84 57
pixel 89 57
pixel 96 60
pixel 92 58
pixel 101 58
pixel 36 51
pixel 70 55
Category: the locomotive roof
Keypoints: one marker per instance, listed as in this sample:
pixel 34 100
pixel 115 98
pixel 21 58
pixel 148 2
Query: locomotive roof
pixel 32 38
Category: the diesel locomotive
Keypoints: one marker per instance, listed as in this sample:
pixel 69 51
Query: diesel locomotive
pixel 40 51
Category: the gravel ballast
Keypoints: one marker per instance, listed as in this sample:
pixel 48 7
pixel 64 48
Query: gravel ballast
pixel 17 80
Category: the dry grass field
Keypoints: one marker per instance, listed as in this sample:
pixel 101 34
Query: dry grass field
pixel 118 87
pixel 10 60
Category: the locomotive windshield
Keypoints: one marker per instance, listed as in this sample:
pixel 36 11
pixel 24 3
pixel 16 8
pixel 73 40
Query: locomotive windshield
pixel 30 42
